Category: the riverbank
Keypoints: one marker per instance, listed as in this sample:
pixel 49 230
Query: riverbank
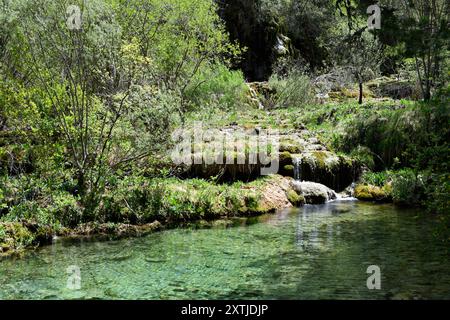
pixel 139 208
pixel 319 143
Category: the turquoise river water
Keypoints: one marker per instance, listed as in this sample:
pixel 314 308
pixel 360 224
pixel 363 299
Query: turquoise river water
pixel 315 252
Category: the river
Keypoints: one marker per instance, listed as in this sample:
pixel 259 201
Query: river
pixel 314 252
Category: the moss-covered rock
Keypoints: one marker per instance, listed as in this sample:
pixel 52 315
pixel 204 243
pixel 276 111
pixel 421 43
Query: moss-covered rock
pixel 334 171
pixel 318 164
pixel 285 156
pixel 393 88
pixel 296 199
pixel 343 94
pixel 290 146
pixel 287 170
pixel 372 193
pixel 114 230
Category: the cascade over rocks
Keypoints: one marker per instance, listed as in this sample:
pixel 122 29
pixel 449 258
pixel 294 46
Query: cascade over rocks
pixel 301 156
pixel 325 167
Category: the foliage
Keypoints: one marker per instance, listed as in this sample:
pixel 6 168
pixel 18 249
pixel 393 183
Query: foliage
pixel 360 53
pixel 378 179
pixel 308 24
pixel 364 156
pixel 129 199
pixel 182 39
pixel 292 89
pixel 217 88
pixel 14 236
pixel 424 35
pixel 412 135
pixel 416 29
pixel 438 191
pixel 407 187
pixel 103 98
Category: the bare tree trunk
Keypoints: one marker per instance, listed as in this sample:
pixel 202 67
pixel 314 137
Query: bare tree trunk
pixel 81 187
pixel 419 75
pixel 427 95
pixel 360 101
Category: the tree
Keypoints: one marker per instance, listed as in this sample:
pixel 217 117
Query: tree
pixel 180 37
pixel 364 57
pixel 419 30
pixel 360 54
pixel 86 76
pixel 426 36
pixel 112 72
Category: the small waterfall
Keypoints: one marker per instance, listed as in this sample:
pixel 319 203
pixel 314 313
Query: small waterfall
pixel 297 162
pixel 347 194
pixel 316 193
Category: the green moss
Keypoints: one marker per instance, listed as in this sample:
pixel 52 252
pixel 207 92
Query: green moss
pixel 289 168
pixel 290 147
pixel 199 199
pixel 294 198
pixel 320 159
pixel 285 156
pixel 372 193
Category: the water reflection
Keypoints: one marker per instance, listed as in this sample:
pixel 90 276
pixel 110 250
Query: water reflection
pixel 312 227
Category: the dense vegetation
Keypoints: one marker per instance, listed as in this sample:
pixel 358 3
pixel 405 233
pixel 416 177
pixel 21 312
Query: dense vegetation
pixel 86 113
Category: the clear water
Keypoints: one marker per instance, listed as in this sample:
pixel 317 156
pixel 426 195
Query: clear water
pixel 316 252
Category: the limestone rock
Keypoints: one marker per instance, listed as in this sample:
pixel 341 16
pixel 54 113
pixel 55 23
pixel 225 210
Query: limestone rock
pixel 314 193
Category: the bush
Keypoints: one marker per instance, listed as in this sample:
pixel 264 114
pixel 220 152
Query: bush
pixel 408 188
pixel 44 200
pixel 291 90
pixel 218 86
pixel 438 194
pixel 133 200
pixel 414 135
pixel 378 179
pixel 364 156
pixel 14 237
pixel 66 209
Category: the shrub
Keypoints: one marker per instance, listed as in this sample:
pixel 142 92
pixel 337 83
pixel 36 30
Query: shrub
pixel 364 156
pixel 66 209
pixel 291 90
pixel 132 200
pixel 408 188
pixel 438 194
pixel 378 179
pixel 218 86
pixel 14 236
pixel 412 135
